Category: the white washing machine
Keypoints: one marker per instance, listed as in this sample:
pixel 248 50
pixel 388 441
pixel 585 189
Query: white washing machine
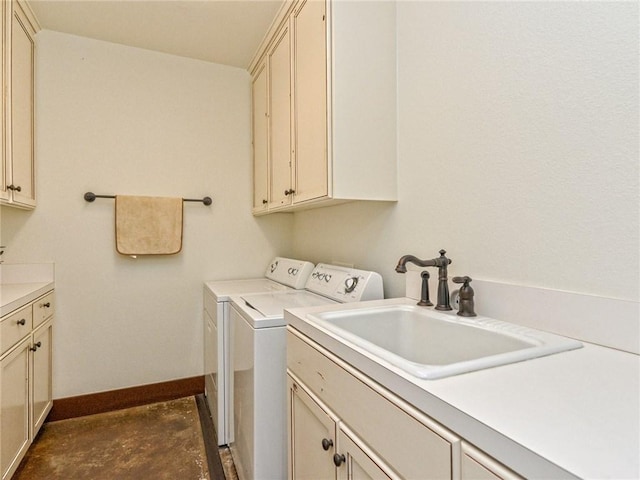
pixel 282 274
pixel 258 381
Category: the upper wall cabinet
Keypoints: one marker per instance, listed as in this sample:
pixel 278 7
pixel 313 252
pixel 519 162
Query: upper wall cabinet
pixel 18 182
pixel 330 101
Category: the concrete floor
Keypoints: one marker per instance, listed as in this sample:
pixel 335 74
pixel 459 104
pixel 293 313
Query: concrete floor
pixel 158 441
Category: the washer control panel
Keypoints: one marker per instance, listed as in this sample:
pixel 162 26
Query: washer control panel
pixel 290 272
pixel 345 284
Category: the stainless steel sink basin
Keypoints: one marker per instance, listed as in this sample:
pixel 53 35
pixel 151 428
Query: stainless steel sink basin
pixel 430 344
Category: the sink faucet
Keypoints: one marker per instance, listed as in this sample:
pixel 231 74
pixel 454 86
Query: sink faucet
pixel 442 263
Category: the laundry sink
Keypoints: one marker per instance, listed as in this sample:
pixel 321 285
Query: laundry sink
pixel 430 344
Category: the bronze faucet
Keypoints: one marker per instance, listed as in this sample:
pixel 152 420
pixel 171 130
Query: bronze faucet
pixel 442 263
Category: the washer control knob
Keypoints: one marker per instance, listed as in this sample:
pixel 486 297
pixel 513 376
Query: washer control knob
pixel 350 284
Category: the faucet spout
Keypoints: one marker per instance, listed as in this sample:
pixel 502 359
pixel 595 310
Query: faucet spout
pixel 402 263
pixel 442 262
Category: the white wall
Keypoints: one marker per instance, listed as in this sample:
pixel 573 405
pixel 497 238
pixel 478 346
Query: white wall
pixel 518 150
pixel 119 120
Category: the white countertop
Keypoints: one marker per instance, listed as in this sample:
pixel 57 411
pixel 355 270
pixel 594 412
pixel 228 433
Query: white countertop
pixel 23 283
pixel 575 413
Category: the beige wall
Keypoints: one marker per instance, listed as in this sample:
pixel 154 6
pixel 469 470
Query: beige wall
pixel 119 120
pixel 518 153
pixel 518 150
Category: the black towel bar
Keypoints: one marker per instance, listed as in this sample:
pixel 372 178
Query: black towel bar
pixel 90 197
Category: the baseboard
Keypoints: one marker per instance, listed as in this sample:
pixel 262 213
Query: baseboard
pixel 93 403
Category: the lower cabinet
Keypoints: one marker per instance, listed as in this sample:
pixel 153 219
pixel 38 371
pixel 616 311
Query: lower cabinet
pixel 25 379
pixel 322 446
pixel 14 404
pixel 342 425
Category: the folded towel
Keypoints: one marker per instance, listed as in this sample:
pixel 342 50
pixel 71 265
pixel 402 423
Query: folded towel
pixel 148 225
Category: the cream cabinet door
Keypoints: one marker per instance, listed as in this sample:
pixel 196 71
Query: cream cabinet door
pixel 5 23
pixel 280 120
pixel 355 462
pixel 310 97
pixel 22 110
pixel 41 375
pixel 312 437
pixel 260 139
pixel 14 403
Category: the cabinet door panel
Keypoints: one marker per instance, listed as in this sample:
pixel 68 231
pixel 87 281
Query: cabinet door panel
pixel 310 92
pixel 260 139
pixel 415 445
pixel 5 21
pixel 310 424
pixel 280 120
pixel 41 374
pixel 22 109
pixel 358 464
pixel 14 403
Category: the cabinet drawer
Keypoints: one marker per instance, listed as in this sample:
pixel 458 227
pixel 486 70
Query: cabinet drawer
pixel 15 327
pixel 414 445
pixel 43 308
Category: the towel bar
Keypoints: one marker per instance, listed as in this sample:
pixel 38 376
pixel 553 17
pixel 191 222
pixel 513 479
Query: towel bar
pixel 90 197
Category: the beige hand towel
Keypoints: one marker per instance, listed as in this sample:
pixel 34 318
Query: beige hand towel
pixel 148 225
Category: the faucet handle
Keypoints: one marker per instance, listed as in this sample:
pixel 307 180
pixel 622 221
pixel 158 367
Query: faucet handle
pixel 466 308
pixel 465 280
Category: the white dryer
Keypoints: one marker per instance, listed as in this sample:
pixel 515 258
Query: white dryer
pixel 258 377
pixel 282 274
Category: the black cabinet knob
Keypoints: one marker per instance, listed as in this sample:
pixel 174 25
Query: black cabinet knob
pixel 338 459
pixel 327 443
pixel 22 321
pixel 17 188
pixel 46 305
pixel 36 346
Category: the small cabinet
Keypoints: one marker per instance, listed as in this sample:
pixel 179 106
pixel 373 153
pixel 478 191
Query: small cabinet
pixel 279 61
pixel 18 186
pixel 387 439
pixel 331 97
pixel 260 139
pixel 14 407
pixel 356 462
pixel 321 446
pixel 26 339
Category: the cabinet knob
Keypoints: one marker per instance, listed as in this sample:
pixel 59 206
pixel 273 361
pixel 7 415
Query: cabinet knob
pixel 327 443
pixel 46 305
pixel 22 321
pixel 338 459
pixel 36 346
pixel 264 202
pixel 289 192
pixel 17 188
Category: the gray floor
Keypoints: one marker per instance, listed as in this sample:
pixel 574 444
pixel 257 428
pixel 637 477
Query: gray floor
pixel 157 441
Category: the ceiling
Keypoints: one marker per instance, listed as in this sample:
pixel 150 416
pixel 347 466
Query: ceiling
pixel 220 31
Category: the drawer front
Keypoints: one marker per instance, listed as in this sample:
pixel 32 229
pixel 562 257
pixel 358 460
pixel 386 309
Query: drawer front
pixel 43 308
pixel 15 327
pixel 407 442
